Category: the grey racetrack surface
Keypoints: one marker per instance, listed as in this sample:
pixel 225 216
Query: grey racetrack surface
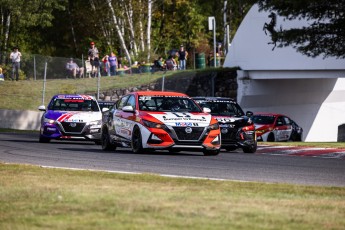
pixel 260 167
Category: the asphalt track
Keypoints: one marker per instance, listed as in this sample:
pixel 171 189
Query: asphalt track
pixel 323 167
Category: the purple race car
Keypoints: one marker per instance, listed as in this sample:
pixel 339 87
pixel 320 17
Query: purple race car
pixel 71 117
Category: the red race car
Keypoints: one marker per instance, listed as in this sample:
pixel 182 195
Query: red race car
pixel 272 127
pixel 155 120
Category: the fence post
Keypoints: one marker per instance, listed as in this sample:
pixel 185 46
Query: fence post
pixel 44 82
pixel 34 67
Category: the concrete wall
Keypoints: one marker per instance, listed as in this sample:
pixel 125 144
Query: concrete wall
pixel 18 119
pixel 317 105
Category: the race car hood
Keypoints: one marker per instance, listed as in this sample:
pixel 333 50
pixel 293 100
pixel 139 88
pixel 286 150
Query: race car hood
pixel 75 116
pixel 182 119
pixel 261 127
pixel 232 120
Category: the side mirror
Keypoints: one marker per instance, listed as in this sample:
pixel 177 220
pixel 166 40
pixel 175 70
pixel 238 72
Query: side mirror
pixel 206 110
pixel 249 113
pixel 41 108
pixel 128 108
pixel 105 110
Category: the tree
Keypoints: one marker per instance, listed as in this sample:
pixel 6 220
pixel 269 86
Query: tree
pixel 325 34
pixel 23 20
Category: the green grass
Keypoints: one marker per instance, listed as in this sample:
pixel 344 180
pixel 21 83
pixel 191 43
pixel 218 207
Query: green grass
pixel 27 94
pixel 39 198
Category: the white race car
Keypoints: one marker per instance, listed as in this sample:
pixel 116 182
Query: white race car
pixel 71 116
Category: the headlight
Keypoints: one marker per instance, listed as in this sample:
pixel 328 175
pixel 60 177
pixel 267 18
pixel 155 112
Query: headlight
pixel 214 126
pixel 50 121
pixel 151 124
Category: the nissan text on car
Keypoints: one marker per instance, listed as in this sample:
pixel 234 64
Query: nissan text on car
pixel 154 120
pixel 70 116
pixel 237 128
pixel 272 127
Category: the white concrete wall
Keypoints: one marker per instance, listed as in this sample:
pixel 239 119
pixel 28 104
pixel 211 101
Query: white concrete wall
pixel 22 120
pixel 317 105
pixel 309 90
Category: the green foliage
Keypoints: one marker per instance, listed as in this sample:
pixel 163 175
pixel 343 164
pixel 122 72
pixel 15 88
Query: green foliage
pixel 325 34
pixel 65 28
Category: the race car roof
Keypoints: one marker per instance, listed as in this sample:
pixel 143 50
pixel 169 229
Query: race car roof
pixel 74 96
pixel 269 114
pixel 160 93
pixel 214 99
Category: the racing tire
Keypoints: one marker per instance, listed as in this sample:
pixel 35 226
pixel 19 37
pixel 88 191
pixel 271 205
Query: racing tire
pixel 137 145
pixel 211 152
pixel 43 139
pixel 250 149
pixel 270 137
pixel 105 141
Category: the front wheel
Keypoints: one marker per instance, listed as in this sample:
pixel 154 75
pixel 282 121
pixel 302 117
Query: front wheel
pixel 211 152
pixel 105 141
pixel 250 149
pixel 137 145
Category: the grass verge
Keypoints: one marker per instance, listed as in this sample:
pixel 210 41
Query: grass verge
pixel 40 198
pixel 27 94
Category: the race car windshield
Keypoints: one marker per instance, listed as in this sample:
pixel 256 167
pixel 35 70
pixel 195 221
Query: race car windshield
pixel 223 109
pixel 167 104
pixel 73 105
pixel 262 120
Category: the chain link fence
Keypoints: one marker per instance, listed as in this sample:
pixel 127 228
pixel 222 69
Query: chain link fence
pixel 32 66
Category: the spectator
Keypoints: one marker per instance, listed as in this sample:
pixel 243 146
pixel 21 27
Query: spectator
pixel 161 63
pixel 119 62
pixel 171 63
pixel 106 65
pixel 73 69
pixel 2 78
pixel 113 63
pixel 182 57
pixel 15 58
pixel 93 56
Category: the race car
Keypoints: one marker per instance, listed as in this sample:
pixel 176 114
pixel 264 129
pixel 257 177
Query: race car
pixel 72 117
pixel 272 127
pixel 105 104
pixel 154 120
pixel 237 128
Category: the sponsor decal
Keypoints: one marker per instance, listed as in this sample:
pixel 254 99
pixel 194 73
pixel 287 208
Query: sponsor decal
pixel 226 119
pixel 183 124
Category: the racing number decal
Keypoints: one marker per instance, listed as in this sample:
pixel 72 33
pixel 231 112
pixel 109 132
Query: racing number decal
pixel 178 115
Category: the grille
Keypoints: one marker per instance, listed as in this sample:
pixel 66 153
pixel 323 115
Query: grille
pixel 69 129
pixel 230 135
pixel 194 135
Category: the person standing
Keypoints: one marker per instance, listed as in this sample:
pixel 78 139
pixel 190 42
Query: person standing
pixel 182 57
pixel 2 77
pixel 106 65
pixel 15 58
pixel 93 56
pixel 113 63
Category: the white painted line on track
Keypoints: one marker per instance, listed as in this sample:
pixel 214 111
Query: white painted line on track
pixel 141 173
